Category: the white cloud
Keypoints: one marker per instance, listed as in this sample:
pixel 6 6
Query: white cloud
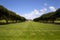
pixel 32 14
pixel 43 10
pixel 35 13
pixel 52 8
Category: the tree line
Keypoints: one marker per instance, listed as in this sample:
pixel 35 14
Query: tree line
pixel 9 15
pixel 49 17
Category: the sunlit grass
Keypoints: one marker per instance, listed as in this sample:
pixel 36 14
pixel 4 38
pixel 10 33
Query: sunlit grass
pixel 30 30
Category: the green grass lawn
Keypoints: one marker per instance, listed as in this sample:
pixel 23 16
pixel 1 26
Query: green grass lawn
pixel 30 30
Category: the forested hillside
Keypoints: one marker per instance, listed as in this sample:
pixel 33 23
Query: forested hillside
pixel 8 15
pixel 50 17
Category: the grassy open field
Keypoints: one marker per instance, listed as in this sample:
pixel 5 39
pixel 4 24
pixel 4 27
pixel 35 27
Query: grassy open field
pixel 30 30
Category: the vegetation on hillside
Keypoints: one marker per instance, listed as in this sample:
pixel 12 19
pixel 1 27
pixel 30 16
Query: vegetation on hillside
pixel 49 17
pixel 9 15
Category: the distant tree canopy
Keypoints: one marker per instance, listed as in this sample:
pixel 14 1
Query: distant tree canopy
pixel 49 17
pixel 7 15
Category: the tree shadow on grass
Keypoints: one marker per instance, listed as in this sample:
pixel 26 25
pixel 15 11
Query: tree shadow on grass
pixel 4 23
pixel 57 23
pixel 51 23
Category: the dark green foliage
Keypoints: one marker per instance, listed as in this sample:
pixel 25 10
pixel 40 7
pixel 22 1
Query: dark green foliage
pixel 58 13
pixel 49 17
pixel 7 15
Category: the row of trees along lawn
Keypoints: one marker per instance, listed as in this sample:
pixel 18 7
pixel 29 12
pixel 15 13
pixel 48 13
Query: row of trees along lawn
pixel 49 17
pixel 11 16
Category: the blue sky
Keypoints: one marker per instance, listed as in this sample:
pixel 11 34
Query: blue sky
pixel 31 9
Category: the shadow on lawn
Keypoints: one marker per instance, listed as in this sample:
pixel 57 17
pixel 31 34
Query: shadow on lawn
pixel 52 23
pixel 3 23
pixel 57 23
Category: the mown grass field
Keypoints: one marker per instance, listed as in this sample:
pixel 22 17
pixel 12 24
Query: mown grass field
pixel 30 30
